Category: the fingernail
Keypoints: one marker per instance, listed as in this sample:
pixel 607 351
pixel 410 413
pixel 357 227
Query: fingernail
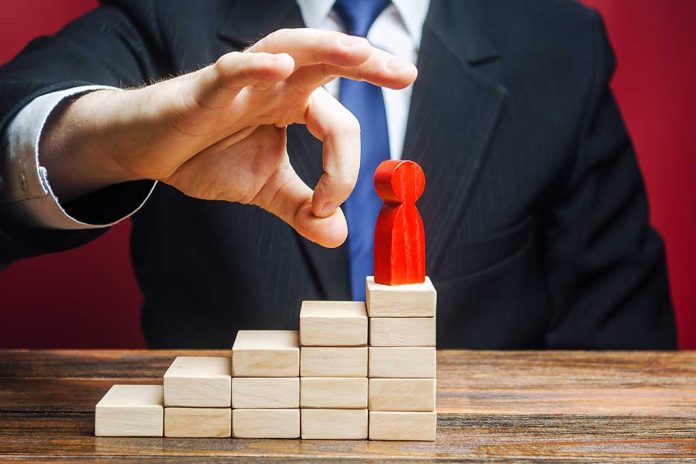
pixel 351 40
pixel 328 209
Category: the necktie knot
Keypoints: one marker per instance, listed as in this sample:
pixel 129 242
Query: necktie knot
pixel 358 15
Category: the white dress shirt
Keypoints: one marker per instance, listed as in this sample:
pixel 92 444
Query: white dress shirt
pixel 27 189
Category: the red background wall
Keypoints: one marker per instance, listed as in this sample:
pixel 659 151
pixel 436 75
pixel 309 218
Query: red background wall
pixel 88 297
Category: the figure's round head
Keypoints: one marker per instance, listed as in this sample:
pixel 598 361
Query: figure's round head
pixel 399 181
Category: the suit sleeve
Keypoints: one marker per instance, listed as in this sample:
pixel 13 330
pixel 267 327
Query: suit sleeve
pixel 606 267
pixel 116 45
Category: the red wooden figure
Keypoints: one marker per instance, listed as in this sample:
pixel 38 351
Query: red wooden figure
pixel 399 234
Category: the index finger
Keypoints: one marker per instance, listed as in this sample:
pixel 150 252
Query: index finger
pixel 381 68
pixel 313 46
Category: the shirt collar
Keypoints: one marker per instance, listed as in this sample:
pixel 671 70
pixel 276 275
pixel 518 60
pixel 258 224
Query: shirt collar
pixel 412 12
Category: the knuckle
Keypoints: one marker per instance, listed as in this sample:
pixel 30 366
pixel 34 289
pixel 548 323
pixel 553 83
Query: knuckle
pixel 223 64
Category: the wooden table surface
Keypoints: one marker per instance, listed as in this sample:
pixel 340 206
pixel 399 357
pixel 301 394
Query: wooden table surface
pixel 534 406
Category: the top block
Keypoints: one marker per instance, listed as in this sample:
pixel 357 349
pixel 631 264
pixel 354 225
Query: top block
pixel 266 353
pixel 410 300
pixel 333 323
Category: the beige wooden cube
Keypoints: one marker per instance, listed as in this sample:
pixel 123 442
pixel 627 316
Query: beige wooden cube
pixel 266 353
pixel 266 423
pixel 415 426
pixel 130 411
pixel 333 392
pixel 402 394
pixel 333 323
pixel 334 362
pixel 402 362
pixel 410 300
pixel 266 392
pixel 402 331
pixel 198 381
pixel 334 424
pixel 198 422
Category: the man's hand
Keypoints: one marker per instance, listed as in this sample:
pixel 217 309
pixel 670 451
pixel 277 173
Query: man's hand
pixel 219 133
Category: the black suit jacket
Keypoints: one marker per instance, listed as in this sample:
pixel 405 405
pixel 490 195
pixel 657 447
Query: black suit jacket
pixel 535 212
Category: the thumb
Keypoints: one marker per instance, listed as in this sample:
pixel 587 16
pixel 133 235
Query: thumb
pixel 288 197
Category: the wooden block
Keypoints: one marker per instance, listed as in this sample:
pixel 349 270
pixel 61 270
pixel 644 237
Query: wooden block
pixel 402 331
pixel 266 393
pixel 333 323
pixel 130 411
pixel 416 426
pixel 327 392
pixel 266 353
pixel 266 423
pixel 402 395
pixel 334 362
pixel 402 362
pixel 409 300
pixel 334 424
pixel 198 422
pixel 198 381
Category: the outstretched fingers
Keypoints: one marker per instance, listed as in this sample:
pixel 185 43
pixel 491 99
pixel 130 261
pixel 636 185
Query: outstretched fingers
pixel 381 68
pixel 313 46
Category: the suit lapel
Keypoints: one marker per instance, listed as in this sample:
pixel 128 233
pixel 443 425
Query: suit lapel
pixel 248 22
pixel 454 109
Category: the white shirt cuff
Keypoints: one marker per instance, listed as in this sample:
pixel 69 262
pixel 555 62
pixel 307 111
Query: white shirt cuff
pixel 26 190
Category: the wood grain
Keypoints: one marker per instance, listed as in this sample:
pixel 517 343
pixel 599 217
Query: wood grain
pixel 402 395
pixel 198 422
pixel 336 392
pixel 334 424
pixel 391 425
pixel 266 423
pixel 266 392
pixel 333 361
pixel 402 362
pixel 402 331
pixel 519 406
pixel 266 353
pixel 408 300
pixel 198 381
pixel 333 323
pixel 129 411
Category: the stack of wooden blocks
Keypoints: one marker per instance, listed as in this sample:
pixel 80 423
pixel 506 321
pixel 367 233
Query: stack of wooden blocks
pixel 402 361
pixel 333 369
pixel 197 397
pixel 325 382
pixel 194 401
pixel 266 384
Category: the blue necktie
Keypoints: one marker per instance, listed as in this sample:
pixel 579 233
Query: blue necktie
pixel 366 102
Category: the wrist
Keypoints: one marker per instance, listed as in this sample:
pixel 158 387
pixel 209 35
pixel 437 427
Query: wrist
pixel 74 146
